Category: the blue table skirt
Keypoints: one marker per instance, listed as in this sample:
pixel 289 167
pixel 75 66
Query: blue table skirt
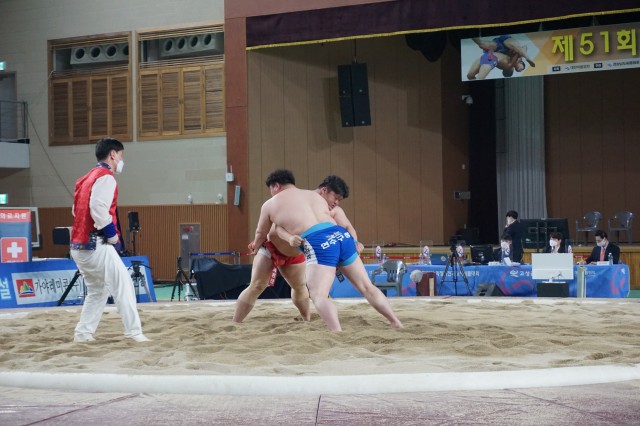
pixel 602 281
pixel 43 282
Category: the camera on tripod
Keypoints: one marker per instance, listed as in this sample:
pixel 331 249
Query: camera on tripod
pixel 135 264
pixel 454 242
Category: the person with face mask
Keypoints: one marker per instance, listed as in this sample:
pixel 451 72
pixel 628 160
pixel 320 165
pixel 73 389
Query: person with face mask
pixel 514 229
pixel 94 235
pixel 603 249
pixel 555 243
pixel 505 252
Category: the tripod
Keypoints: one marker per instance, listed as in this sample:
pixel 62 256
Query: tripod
pixel 138 279
pixel 69 287
pixel 133 240
pixel 180 281
pixel 456 265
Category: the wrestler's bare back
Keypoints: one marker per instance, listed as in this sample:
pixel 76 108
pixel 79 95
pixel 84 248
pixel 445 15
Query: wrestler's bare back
pixel 297 210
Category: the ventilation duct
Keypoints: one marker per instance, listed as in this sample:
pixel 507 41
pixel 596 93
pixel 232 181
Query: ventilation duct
pixel 99 53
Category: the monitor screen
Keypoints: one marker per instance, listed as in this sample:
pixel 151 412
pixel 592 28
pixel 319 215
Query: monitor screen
pixel 536 231
pixel 482 254
pixel 552 266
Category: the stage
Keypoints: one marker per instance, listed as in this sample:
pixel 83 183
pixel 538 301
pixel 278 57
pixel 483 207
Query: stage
pixel 43 282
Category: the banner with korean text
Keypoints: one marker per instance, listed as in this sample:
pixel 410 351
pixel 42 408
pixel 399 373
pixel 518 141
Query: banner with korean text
pixel 15 235
pixel 597 48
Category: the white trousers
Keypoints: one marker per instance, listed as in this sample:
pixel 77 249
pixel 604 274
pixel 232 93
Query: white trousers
pixel 105 274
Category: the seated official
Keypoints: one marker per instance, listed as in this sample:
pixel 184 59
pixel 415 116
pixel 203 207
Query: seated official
pixel 603 249
pixel 504 253
pixel 555 243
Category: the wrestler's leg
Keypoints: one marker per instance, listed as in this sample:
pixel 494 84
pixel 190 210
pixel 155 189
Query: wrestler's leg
pixel 260 273
pixel 295 276
pixel 357 275
pixel 473 69
pixel 485 69
pixel 319 280
pixel 485 45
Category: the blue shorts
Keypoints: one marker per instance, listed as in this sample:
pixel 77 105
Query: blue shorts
pixel 488 58
pixel 328 244
pixel 499 41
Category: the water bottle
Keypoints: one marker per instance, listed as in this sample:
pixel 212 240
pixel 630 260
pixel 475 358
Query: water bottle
pixel 610 259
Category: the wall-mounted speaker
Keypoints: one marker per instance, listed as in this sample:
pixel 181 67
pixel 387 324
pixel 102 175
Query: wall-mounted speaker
pixel 353 93
pixel 99 53
pixel 197 44
pixel 236 197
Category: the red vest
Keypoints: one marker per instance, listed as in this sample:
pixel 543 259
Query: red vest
pixel 83 223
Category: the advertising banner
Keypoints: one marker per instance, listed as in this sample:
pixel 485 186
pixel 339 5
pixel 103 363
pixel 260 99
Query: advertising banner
pixel 42 283
pixel 597 48
pixel 15 235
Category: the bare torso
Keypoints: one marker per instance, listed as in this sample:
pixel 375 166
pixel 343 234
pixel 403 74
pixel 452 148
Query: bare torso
pixel 297 210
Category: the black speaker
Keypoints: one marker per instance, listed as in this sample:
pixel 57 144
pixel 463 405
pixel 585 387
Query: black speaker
pixel 346 111
pixel 553 289
pixel 344 81
pixel 488 289
pixel 353 88
pixel 134 224
pixel 360 94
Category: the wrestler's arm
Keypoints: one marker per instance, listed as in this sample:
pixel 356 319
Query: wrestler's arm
pixel 262 230
pixel 519 49
pixel 341 219
pixel 293 240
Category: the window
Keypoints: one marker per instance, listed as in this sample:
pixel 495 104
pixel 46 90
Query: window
pixel 181 82
pixel 89 89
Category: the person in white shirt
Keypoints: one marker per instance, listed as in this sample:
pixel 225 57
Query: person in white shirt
pixel 94 235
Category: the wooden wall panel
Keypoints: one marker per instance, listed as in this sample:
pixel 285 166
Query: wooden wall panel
pixel 159 238
pixel 409 144
pixel 385 121
pixel 294 86
pixel 319 72
pixel 52 218
pixel 392 164
pixel 455 144
pixel 592 151
pixel 257 190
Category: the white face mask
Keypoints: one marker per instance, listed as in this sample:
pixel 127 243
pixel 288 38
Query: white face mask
pixel 510 220
pixel 601 243
pixel 119 167
pixel 504 245
pixel 553 243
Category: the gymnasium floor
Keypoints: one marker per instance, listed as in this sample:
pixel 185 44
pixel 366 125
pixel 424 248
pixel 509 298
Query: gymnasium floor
pixel 595 397
pixel 601 404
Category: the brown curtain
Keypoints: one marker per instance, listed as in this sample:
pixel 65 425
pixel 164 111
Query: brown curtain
pixel 404 16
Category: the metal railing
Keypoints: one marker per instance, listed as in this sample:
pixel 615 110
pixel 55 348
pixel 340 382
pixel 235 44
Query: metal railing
pixel 13 122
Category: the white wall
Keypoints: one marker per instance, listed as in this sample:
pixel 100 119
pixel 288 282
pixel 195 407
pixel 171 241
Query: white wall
pixel 156 172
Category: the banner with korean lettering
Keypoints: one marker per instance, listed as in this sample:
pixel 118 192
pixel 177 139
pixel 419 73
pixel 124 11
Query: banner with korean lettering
pixel 15 235
pixel 597 48
pixel 44 282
